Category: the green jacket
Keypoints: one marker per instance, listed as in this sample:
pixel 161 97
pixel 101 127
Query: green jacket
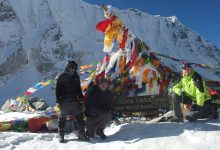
pixel 194 87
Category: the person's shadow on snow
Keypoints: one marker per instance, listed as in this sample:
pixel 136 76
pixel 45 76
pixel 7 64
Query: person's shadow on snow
pixel 137 132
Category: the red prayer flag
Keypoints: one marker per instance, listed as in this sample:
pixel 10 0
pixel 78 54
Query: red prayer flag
pixel 103 25
pixel 122 44
pixel 134 54
pixel 101 75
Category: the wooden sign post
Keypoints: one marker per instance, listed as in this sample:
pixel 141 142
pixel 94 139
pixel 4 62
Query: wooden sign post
pixel 149 106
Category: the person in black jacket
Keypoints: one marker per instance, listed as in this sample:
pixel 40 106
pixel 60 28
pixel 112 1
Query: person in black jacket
pixel 99 109
pixel 68 89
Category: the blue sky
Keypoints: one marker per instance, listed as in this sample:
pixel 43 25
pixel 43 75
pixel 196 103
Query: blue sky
pixel 202 16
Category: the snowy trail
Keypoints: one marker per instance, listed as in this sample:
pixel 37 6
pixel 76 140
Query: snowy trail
pixel 201 135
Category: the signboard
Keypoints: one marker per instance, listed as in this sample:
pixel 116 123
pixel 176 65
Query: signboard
pixel 149 106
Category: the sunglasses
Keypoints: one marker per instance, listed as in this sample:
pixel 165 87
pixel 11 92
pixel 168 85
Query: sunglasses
pixel 72 67
pixel 186 68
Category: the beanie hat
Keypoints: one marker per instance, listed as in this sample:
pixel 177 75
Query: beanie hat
pixel 71 63
pixel 102 80
pixel 186 65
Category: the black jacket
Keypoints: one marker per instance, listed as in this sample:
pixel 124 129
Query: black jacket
pixel 68 87
pixel 99 101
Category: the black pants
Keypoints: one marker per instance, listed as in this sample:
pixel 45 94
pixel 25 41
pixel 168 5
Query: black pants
pixel 73 109
pixel 177 100
pixel 98 123
pixel 205 111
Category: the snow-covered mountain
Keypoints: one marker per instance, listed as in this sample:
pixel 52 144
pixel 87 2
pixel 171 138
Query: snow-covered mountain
pixel 39 36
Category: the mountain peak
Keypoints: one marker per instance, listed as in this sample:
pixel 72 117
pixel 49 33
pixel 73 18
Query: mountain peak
pixel 174 19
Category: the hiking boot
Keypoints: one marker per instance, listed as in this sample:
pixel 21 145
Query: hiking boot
pixel 213 114
pixel 61 137
pixel 176 119
pixel 101 134
pixel 191 118
pixel 89 135
pixel 82 137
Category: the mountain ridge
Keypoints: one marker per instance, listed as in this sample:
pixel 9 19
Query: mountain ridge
pixel 40 36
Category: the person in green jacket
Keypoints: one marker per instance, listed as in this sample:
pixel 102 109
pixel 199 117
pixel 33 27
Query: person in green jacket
pixel 191 90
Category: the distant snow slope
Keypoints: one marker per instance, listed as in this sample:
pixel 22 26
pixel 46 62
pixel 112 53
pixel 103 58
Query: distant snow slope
pixel 38 37
pixel 202 135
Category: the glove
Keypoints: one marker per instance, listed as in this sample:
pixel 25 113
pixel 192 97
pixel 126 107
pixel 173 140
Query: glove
pixel 195 107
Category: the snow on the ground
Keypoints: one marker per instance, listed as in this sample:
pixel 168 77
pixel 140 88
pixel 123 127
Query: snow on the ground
pixel 201 135
pixel 12 116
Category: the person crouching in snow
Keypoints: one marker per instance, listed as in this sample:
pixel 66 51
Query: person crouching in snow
pixel 67 90
pixel 191 90
pixel 99 109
